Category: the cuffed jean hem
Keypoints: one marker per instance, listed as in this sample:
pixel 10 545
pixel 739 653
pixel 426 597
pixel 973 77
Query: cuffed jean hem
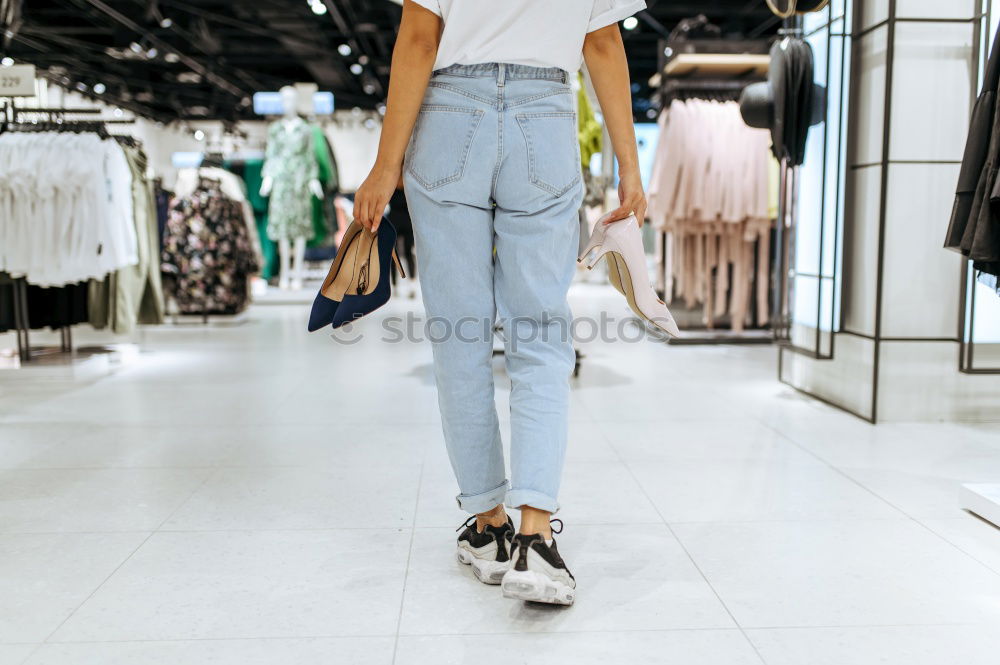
pixel 518 498
pixel 486 501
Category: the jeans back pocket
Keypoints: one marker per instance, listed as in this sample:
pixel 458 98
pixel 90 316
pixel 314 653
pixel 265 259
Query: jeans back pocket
pixel 553 150
pixel 442 139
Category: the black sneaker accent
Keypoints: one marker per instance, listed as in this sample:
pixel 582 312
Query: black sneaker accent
pixel 539 573
pixel 503 535
pixel 550 553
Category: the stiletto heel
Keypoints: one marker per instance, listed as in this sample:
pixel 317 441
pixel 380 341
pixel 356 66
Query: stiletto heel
pixel 399 266
pixel 595 259
pixel 596 238
pixel 628 273
pixel 592 244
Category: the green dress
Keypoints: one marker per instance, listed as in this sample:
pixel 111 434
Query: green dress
pixel 252 170
pixel 325 177
pixel 290 161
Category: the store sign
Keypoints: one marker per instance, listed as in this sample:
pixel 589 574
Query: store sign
pixel 17 81
pixel 187 160
pixel 269 103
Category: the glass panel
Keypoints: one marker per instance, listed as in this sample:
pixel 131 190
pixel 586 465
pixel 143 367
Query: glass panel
pixel 861 250
pixel 837 8
pixel 813 21
pixel 935 8
pixel 986 327
pixel 814 288
pixel 835 154
pixel 870 102
pixel 913 260
pixel 872 12
pixel 931 57
pixel 805 321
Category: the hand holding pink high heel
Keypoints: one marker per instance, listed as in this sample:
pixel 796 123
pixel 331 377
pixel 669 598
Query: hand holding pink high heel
pixel 622 244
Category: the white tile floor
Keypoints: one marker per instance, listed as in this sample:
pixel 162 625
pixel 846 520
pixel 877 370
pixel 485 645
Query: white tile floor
pixel 250 494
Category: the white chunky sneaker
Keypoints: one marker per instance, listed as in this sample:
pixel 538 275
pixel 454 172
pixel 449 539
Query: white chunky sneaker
pixel 539 573
pixel 488 552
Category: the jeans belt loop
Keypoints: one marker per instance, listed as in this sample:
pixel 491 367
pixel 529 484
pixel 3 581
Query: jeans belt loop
pixel 501 73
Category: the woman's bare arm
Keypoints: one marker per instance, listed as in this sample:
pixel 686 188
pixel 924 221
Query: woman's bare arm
pixel 412 63
pixel 604 53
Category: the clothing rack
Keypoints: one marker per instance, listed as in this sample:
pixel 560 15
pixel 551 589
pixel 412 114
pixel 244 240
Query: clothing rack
pixel 721 90
pixel 13 119
pixel 711 69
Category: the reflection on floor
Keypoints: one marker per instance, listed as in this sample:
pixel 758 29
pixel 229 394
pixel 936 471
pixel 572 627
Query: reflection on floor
pixel 250 494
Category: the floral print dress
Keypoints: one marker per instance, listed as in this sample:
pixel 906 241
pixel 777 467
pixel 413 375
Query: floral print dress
pixel 290 161
pixel 208 256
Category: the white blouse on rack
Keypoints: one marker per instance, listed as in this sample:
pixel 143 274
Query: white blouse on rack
pixel 65 207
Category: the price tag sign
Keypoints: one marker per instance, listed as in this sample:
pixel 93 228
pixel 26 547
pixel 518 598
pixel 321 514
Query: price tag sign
pixel 17 81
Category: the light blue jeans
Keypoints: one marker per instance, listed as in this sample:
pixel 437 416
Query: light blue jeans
pixel 494 164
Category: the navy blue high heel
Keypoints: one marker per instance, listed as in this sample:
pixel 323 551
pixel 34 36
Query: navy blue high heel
pixel 371 287
pixel 358 280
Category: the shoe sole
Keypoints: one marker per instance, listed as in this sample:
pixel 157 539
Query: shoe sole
pixel 487 572
pixel 536 587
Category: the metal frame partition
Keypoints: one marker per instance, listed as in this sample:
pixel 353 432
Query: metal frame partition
pixel 817 343
pixel 866 319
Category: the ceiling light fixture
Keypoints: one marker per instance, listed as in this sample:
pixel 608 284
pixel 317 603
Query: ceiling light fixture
pixel 7 62
pixel 166 23
pixel 199 135
pixel 344 50
pixel 172 57
pixel 136 47
pixel 152 53
pixel 99 88
pixel 356 69
pixel 631 23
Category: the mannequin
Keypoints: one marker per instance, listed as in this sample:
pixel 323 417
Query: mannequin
pixel 290 164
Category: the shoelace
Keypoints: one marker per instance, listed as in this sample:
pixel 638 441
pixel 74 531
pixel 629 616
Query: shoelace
pixel 466 523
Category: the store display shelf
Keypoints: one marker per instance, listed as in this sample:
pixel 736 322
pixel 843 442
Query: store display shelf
pixel 983 499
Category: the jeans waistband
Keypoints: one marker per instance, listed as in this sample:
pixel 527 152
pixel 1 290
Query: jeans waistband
pixel 503 71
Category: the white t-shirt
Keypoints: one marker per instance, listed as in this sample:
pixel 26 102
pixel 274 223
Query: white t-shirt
pixel 540 33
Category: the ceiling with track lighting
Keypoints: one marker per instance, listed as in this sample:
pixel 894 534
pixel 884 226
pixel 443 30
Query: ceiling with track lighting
pixel 204 59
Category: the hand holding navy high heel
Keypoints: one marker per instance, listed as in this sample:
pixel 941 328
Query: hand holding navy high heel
pixel 358 282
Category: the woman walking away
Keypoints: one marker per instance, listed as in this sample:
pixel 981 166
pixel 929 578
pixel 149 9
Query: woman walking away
pixel 480 123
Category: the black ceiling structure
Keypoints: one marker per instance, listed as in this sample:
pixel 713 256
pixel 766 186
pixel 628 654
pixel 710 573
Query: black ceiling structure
pixel 203 59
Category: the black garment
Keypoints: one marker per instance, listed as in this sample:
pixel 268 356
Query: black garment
pixel 162 210
pixel 399 215
pixel 974 229
pixel 791 79
pixel 56 307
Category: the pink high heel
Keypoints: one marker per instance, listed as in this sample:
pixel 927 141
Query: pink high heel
pixel 621 243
